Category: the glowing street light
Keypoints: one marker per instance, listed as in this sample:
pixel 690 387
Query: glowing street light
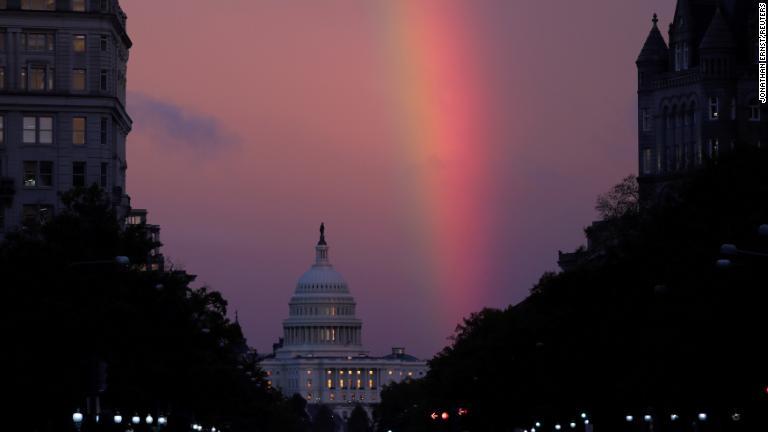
pixel 674 417
pixel 162 420
pixel 136 419
pixel 702 416
pixel 117 418
pixel 629 418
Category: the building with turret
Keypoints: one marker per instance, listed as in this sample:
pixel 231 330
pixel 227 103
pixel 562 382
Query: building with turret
pixel 321 354
pixel 698 92
pixel 63 122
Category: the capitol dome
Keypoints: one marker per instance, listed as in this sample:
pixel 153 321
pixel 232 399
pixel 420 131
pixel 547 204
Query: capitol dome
pixel 321 319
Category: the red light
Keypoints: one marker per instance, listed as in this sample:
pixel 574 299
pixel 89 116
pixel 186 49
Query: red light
pixel 444 415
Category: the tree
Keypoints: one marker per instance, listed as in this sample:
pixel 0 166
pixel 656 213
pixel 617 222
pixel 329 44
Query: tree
pixel 79 324
pixel 324 420
pixel 358 420
pixel 651 324
pixel 622 200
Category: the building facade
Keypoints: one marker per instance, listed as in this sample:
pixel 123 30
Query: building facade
pixel 321 354
pixel 63 121
pixel 698 94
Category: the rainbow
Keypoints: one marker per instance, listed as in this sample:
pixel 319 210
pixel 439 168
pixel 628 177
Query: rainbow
pixel 439 99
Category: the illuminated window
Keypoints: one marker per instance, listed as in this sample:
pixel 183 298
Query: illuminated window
pixel 309 396
pixel 37 41
pixel 103 175
pixel 38 130
pixel 330 383
pixel 78 174
pixel 359 384
pixel 78 5
pixel 36 78
pixel 333 396
pixel 341 383
pixel 754 110
pixel 78 130
pixel 309 383
pixel 78 43
pixel 38 174
pixel 38 4
pixel 714 108
pixel 78 79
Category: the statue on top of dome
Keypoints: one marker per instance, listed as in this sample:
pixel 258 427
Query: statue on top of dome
pixel 322 234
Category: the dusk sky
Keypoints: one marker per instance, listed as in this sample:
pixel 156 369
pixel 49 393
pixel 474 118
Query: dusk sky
pixel 451 147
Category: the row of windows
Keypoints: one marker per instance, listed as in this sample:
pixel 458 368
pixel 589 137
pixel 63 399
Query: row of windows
pixel 681 157
pixel 327 311
pixel 41 77
pixel 50 5
pixel 45 42
pixel 39 174
pixel 39 130
pixel 688 116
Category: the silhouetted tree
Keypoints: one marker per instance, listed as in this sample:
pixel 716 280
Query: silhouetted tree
pixel 324 420
pixel 359 420
pixel 77 323
pixel 622 200
pixel 651 324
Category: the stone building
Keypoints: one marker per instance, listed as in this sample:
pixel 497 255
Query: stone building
pixel 63 121
pixel 321 354
pixel 697 94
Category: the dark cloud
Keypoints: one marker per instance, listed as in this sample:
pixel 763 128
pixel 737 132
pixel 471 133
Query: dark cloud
pixel 174 125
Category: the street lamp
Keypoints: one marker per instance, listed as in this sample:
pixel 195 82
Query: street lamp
pixel 117 418
pixel 162 420
pixel 135 419
pixel 149 420
pixel 702 416
pixel 77 419
pixel 674 417
pixel 629 418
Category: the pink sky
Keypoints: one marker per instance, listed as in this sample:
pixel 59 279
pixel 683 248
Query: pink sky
pixel 256 120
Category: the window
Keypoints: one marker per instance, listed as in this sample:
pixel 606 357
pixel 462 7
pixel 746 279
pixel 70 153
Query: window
pixel 36 77
pixel 78 5
pixel 714 108
pixel 2 39
pixel 37 214
pixel 2 130
pixel 685 55
pixel 38 174
pixel 714 147
pixel 646 120
pixel 78 130
pixel 103 5
pixel 78 79
pixel 38 130
pixel 754 110
pixel 37 41
pixel 103 43
pixel 103 175
pixel 38 4
pixel 2 78
pixel 733 109
pixel 103 81
pixel 647 161
pixel 78 174
pixel 103 131
pixel 78 43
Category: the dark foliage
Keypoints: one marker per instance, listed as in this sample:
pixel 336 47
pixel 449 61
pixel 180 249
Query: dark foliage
pixel 324 420
pixel 358 420
pixel 77 323
pixel 651 325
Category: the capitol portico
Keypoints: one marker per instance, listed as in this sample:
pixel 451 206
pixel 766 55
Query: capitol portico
pixel 321 355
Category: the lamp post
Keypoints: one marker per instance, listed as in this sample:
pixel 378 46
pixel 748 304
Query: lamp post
pixel 77 419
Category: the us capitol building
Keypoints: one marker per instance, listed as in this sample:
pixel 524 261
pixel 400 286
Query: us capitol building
pixel 321 355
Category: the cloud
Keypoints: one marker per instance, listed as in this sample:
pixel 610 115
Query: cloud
pixel 180 127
